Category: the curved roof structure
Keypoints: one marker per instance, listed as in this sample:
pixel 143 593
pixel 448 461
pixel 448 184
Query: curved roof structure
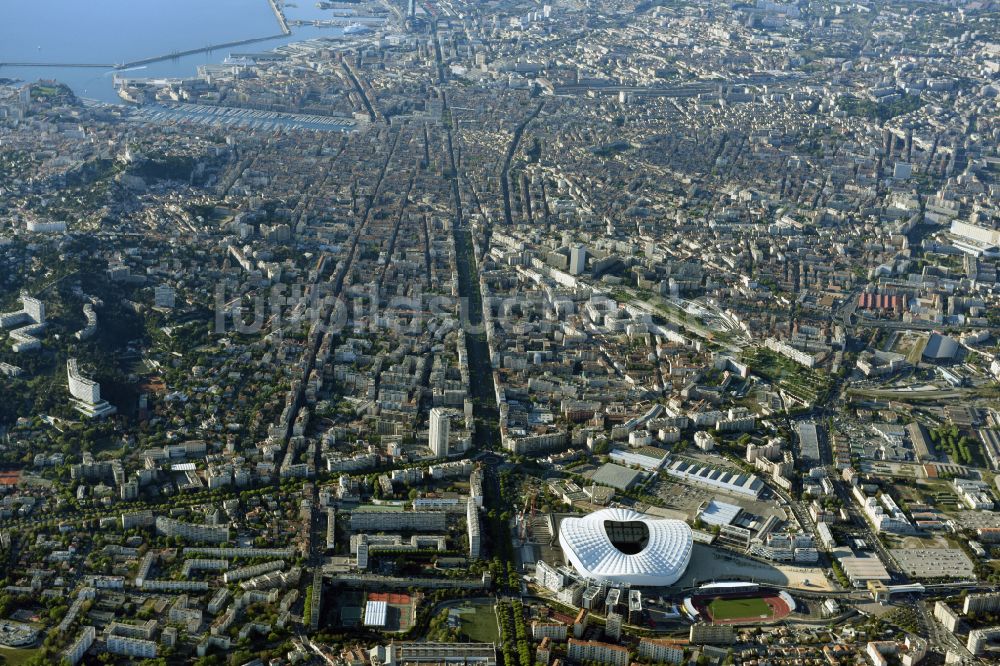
pixel 622 546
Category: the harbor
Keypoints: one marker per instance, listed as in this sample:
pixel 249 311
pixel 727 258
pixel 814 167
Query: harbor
pixel 174 55
pixel 65 41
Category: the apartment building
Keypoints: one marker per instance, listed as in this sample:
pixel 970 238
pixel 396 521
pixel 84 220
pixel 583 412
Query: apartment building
pixel 597 652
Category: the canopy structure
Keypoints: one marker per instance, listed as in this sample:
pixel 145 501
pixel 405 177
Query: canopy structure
pixel 624 547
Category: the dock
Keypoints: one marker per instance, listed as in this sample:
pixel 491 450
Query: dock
pixel 203 49
pixel 280 15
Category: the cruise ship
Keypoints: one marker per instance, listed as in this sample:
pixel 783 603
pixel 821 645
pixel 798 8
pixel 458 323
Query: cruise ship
pixel 356 29
pixel 239 61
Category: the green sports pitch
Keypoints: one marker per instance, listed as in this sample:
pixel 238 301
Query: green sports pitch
pixel 738 609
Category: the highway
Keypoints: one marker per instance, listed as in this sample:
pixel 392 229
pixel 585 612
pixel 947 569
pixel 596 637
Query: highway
pixel 939 636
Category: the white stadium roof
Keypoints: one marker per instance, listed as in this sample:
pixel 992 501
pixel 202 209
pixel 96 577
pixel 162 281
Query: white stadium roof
pixel 622 546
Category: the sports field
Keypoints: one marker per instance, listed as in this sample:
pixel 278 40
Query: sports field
pixel 732 609
pixel 479 623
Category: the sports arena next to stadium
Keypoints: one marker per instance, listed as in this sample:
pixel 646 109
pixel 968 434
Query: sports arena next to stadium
pixel 623 547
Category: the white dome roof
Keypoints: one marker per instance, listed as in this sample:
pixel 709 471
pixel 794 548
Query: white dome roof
pixel 657 556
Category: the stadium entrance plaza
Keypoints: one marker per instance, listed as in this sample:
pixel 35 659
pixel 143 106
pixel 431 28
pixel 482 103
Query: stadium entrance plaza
pixel 708 564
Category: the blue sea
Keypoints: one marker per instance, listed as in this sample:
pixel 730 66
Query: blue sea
pixel 115 31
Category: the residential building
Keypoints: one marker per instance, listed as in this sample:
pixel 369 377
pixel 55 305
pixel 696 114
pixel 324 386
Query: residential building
pixel 388 519
pixel 474 527
pixel 469 654
pixel 440 429
pixel 74 653
pixel 131 647
pixel 986 602
pixel 85 394
pixel 597 652
pixel 946 616
pixel 712 634
pixel 554 630
pixel 192 531
pixel 613 626
pixel 660 651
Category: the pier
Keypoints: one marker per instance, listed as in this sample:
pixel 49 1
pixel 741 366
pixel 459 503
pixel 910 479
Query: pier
pixel 203 49
pixel 280 15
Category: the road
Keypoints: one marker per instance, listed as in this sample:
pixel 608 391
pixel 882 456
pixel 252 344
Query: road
pixel 940 639
pixel 863 526
pixel 315 527
pixel 511 151
pixel 487 414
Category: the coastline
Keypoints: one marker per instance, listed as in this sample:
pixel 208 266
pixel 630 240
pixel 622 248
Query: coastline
pixel 98 85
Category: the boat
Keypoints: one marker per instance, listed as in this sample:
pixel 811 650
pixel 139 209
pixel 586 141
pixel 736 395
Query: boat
pixel 240 61
pixel 356 29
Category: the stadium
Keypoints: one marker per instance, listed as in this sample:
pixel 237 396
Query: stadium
pixel 623 547
pixel 738 603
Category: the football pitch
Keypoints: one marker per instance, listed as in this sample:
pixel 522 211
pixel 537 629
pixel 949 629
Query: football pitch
pixel 733 609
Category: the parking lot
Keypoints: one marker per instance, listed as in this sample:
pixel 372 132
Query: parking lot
pixel 682 497
pixel 688 498
pixel 934 562
pixel 973 520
